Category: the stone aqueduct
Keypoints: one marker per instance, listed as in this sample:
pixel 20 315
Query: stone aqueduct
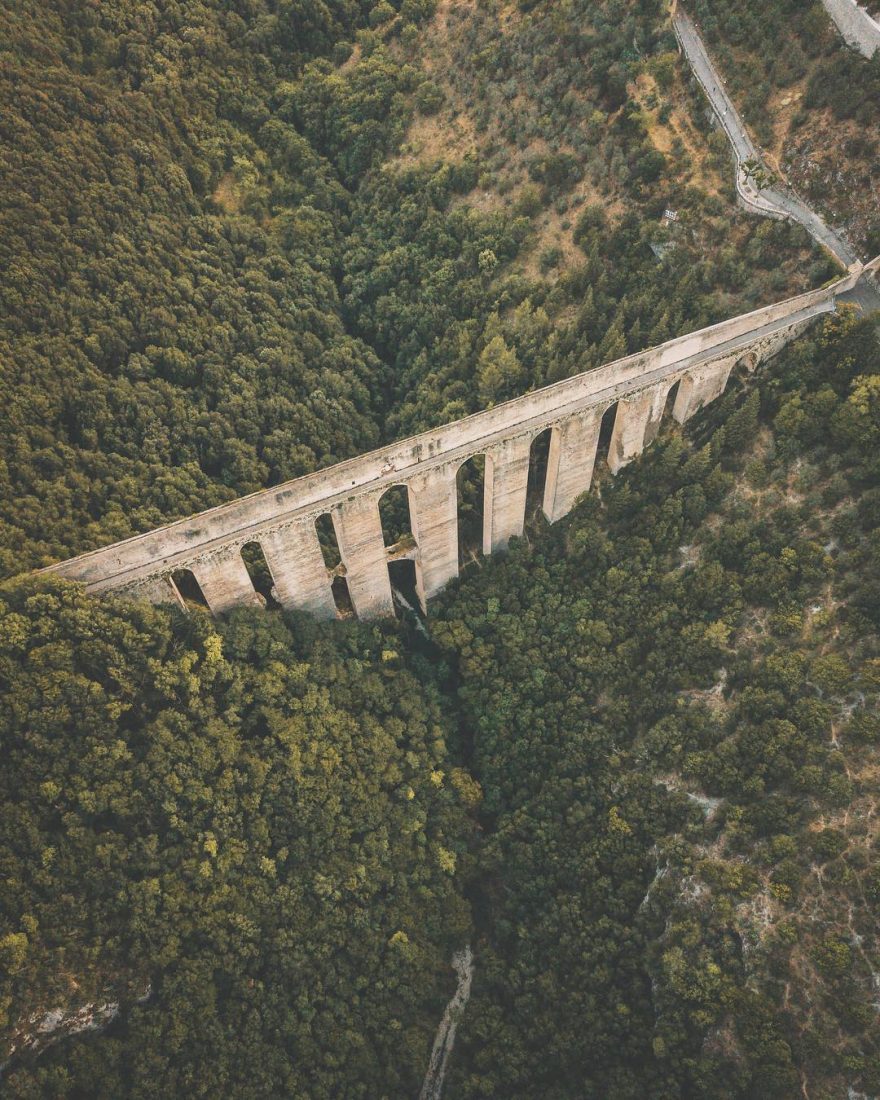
pixel 283 519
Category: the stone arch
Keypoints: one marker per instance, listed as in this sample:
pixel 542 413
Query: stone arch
pixel 671 398
pixel 683 398
pixel 471 505
pixel 189 591
pixel 341 595
pixel 606 430
pixel 659 410
pixel 397 516
pixel 157 589
pixel 572 456
pixel 358 529
pixel 325 529
pixel 396 513
pixel 224 579
pixel 260 572
pixel 749 362
pixel 539 455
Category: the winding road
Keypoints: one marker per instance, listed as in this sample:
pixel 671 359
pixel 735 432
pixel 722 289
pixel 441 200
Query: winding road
pixel 770 201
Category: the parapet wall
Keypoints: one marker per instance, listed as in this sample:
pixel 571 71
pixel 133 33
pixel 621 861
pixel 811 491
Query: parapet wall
pixel 282 519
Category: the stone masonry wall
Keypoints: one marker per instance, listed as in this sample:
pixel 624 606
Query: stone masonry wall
pixel 282 519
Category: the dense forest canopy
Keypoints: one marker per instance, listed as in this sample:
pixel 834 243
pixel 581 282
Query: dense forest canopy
pixel 673 704
pixel 633 763
pixel 250 840
pixel 636 763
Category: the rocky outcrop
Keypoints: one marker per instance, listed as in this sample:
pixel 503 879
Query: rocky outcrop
pixel 40 1030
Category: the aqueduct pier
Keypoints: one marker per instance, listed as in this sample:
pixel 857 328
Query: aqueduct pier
pixel 282 520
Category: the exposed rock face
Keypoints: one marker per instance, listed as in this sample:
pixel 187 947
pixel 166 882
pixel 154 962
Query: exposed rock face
pixel 41 1030
pixel 38 1032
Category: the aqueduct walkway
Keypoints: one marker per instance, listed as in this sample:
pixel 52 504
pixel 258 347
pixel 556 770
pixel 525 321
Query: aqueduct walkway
pixel 282 520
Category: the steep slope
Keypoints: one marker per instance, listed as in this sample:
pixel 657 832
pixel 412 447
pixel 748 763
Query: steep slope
pixel 241 837
pixel 239 243
pixel 165 343
pixel 674 707
pixel 670 702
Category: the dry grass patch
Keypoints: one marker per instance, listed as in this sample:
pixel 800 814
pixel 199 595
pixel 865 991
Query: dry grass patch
pixel 432 138
pixel 675 134
pixel 227 195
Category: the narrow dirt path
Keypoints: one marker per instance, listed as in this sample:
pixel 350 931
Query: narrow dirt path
pixel 463 964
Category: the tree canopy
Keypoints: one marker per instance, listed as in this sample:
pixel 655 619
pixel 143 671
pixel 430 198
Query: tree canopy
pixel 632 763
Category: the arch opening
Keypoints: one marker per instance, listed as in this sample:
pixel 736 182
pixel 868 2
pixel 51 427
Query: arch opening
pixel 749 362
pixel 400 546
pixel 669 405
pixel 739 376
pixel 328 541
pixel 394 513
pixel 405 587
pixel 188 589
pixel 342 597
pixel 261 575
pixel 606 430
pixel 470 484
pixel 539 454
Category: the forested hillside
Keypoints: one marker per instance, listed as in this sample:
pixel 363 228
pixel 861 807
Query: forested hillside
pixel 673 703
pixel 633 763
pixel 212 284
pixel 164 347
pixel 244 835
pixel 639 770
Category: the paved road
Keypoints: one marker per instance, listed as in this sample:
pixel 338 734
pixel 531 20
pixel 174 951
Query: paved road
pixel 771 201
pixel 865 294
pixel 857 27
